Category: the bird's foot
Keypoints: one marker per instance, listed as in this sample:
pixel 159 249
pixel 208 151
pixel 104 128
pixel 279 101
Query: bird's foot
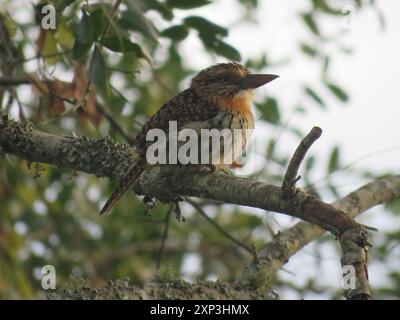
pixel 149 203
pixel 177 210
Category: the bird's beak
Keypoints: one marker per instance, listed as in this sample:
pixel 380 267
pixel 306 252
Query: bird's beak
pixel 253 81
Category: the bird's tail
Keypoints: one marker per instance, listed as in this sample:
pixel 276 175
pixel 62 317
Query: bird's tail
pixel 127 181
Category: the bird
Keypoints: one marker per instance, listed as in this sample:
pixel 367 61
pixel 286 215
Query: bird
pixel 219 97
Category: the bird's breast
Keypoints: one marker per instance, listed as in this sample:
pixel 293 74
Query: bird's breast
pixel 240 104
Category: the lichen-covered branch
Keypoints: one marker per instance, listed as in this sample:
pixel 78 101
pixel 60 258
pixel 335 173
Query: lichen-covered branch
pixel 102 157
pixel 288 242
pixel 106 158
pixel 164 289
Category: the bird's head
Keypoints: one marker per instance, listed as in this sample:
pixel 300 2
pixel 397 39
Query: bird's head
pixel 226 83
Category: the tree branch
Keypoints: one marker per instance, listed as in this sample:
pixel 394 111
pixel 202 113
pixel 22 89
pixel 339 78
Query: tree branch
pixel 164 237
pixel 106 158
pixel 13 81
pixel 290 178
pixel 162 289
pixel 288 242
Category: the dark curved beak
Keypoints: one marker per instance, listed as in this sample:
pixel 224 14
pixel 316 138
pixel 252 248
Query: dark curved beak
pixel 253 81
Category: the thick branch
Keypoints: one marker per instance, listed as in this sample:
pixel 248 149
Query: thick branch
pixel 106 158
pixel 102 157
pixel 162 289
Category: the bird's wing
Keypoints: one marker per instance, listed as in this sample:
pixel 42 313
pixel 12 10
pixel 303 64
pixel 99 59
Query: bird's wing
pixel 185 108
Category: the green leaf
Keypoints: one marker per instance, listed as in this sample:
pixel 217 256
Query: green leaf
pixel 61 5
pixel 203 26
pixel 269 111
pixel 97 69
pixel 314 96
pixel 134 19
pixel 310 161
pixel 124 45
pixel 309 50
pixel 65 35
pixel 334 191
pixel 162 8
pixel 176 33
pixel 333 163
pixel 257 63
pixel 311 23
pixel 297 132
pixel 80 50
pixel 327 61
pixel 381 18
pixel 393 206
pixel 271 148
pixel 187 4
pixel 97 21
pixel 326 8
pixel 223 49
pixel 249 3
pixel 50 47
pixel 85 32
pixel 10 25
pixel 338 92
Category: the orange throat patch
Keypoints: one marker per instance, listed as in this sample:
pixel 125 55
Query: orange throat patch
pixel 240 103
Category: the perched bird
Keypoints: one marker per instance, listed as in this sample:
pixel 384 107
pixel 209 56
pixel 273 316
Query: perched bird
pixel 219 97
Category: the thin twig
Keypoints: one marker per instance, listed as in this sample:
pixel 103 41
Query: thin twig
pixel 348 166
pixel 220 229
pixel 44 56
pixel 114 123
pixel 70 101
pixel 291 176
pixel 13 81
pixel 111 18
pixel 164 237
pixel 123 70
pixel 119 93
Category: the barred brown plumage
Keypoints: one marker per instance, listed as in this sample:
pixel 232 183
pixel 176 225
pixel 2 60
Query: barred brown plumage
pixel 219 97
